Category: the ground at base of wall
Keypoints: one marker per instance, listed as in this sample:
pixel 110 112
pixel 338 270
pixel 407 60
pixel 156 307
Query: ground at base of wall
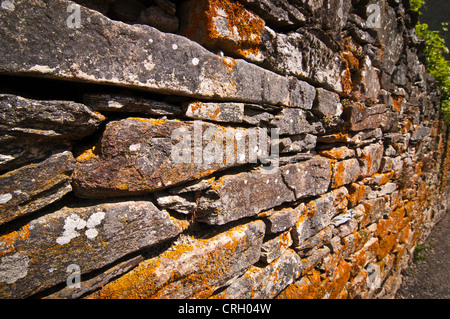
pixel 428 276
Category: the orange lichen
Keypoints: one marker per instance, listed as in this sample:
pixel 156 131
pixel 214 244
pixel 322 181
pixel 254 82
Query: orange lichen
pixel 398 102
pixel 355 193
pixel 86 155
pixel 243 28
pixel 8 241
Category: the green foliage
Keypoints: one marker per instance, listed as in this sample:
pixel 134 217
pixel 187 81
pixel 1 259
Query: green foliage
pixel 437 65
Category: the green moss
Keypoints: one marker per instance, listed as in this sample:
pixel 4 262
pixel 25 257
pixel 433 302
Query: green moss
pixel 437 65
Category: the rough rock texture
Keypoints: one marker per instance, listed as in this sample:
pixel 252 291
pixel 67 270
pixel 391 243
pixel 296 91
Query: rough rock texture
pixel 192 269
pixel 34 186
pixel 215 148
pixel 90 237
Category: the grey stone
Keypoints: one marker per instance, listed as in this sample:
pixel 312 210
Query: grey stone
pixel 31 130
pixel 280 220
pixel 136 56
pixel 132 104
pixel 32 187
pixel 90 237
pixel 183 204
pixel 327 104
pixel 308 178
pixel 87 285
pixel 370 159
pixel 293 121
pixel 258 283
pixel 303 55
pixel 298 143
pixel 279 13
pixel 242 195
pixel 317 214
pixel 273 248
pixel 219 112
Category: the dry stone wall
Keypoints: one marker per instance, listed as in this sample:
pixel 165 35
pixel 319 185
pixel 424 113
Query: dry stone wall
pixel 215 148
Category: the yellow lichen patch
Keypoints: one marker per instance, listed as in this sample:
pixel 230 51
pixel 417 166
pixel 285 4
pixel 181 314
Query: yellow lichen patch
pixel 217 184
pixel 157 122
pixel 355 193
pixel 398 102
pixel 89 153
pixel 229 63
pixel 346 81
pixel 337 282
pixel 385 245
pixel 8 242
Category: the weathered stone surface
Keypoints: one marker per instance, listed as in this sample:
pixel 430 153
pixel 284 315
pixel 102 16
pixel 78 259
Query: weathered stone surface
pixel 35 186
pixel 242 195
pixel 273 248
pixel 123 103
pixel 370 159
pixel 193 269
pixel 96 282
pixel 298 143
pixel 293 121
pixel 366 80
pixel 219 112
pixel 133 56
pixel 280 13
pixel 363 118
pixel 183 204
pixel 31 130
pixel 338 153
pixel 318 213
pixel 327 103
pixel 303 55
pixel 266 282
pixel 308 178
pixel 280 220
pixel 390 34
pixel 224 25
pixel 90 237
pixel 138 156
pixel 316 241
pixel 345 172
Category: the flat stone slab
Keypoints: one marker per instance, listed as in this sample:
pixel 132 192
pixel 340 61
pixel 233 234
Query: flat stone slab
pixel 138 56
pixel 37 255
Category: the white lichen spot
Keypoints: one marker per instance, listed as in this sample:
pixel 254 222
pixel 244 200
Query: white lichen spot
pixel 42 69
pixel 91 233
pixel 70 224
pixel 115 104
pixel 4 198
pixel 13 268
pixel 195 61
pixel 95 219
pixel 174 46
pixel 74 223
pixel 135 147
pixel 8 5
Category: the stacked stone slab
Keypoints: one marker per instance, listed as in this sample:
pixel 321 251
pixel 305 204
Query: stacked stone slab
pixel 93 182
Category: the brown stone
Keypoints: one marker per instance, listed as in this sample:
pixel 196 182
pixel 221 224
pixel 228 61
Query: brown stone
pixel 139 155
